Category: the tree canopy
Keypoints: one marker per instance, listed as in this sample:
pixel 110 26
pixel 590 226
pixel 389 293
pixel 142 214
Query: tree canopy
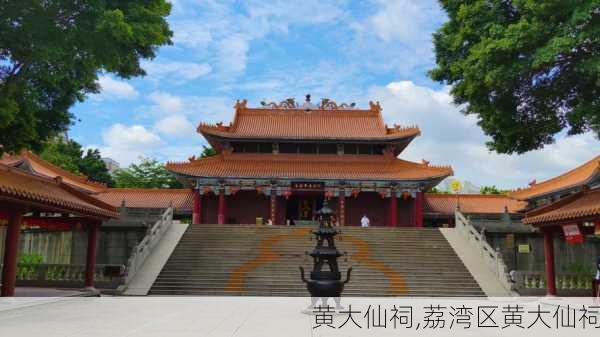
pixel 492 190
pixel 207 151
pixel 52 51
pixel 69 155
pixel 528 69
pixel 149 173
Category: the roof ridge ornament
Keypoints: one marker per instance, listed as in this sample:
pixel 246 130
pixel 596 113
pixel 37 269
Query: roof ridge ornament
pixel 290 103
pixel 241 104
pixel 328 104
pixel 375 106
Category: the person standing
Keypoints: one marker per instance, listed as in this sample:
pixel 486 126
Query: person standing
pixel 364 221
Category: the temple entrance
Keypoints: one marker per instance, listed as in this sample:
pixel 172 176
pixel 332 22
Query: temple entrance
pixel 302 208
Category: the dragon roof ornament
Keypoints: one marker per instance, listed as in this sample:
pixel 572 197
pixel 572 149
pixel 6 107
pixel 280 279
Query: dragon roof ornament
pixel 290 103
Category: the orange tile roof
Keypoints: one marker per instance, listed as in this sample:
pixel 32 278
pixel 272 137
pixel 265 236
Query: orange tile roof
pixel 46 169
pixel 360 167
pixel 577 207
pixel 471 203
pixel 316 123
pixel 42 193
pixel 579 176
pixel 148 198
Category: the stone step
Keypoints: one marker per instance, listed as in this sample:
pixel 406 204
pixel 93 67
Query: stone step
pixel 208 256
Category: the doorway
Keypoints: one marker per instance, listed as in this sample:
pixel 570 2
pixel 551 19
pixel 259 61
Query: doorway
pixel 303 207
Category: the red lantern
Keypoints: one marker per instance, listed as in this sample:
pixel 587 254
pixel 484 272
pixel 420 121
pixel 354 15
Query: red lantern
pixel 355 193
pixel 287 194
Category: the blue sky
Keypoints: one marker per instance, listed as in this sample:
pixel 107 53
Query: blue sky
pixel 349 51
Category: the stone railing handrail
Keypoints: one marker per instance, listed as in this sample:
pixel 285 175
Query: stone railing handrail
pixel 564 280
pixel 143 249
pixel 48 274
pixel 493 258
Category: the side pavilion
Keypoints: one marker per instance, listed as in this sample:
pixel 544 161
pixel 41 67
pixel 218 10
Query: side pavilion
pixel 23 193
pixel 567 207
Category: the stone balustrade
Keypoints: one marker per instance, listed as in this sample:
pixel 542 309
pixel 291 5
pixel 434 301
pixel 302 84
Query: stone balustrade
pixel 67 275
pixel 534 280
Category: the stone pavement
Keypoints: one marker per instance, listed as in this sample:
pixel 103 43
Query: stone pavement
pixel 244 316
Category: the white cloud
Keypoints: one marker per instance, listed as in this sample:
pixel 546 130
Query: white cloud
pixel 189 34
pixel 176 126
pixel 165 102
pixel 114 89
pixel 224 31
pixel 126 144
pixel 232 54
pixel 397 37
pixel 401 20
pixel 176 70
pixel 450 138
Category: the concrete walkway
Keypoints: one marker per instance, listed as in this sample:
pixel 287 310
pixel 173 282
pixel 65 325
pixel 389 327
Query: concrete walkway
pixel 145 277
pixel 472 259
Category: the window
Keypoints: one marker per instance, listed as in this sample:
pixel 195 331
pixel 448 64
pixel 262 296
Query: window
pixel 251 147
pixel 237 147
pixel 288 148
pixel 327 148
pixel 364 149
pixel 350 149
pixel 308 148
pixel 265 147
pixel 378 149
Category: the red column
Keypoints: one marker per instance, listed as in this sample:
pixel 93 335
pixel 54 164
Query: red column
pixel 92 248
pixel 393 210
pixel 11 252
pixel 342 208
pixel 274 206
pixel 549 260
pixel 221 211
pixel 197 208
pixel 418 210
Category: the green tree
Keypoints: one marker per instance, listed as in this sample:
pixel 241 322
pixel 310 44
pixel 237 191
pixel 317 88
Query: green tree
pixel 207 151
pixel 69 155
pixel 149 173
pixel 65 154
pixel 94 168
pixel 52 51
pixel 491 190
pixel 438 191
pixel 527 68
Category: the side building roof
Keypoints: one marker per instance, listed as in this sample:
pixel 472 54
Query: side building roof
pixel 471 203
pixel 181 199
pixel 581 206
pixel 574 178
pixel 36 165
pixel 48 194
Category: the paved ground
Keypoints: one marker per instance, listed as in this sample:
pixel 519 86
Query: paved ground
pixel 47 292
pixel 233 316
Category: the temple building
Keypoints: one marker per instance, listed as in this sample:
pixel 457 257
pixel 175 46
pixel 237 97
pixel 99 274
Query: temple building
pixel 280 161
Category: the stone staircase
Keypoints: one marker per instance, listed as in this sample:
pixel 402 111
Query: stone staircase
pixel 263 261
